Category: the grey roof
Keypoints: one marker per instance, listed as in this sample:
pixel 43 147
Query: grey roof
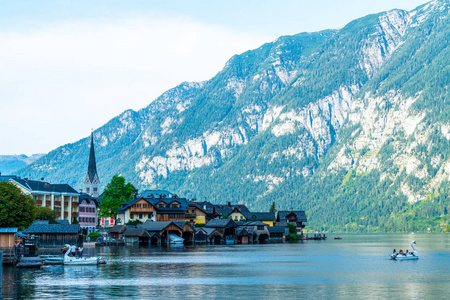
pixel 6 177
pixel 224 211
pixel 89 199
pixel 220 223
pixel 209 231
pixel 252 223
pixel 8 229
pixel 260 216
pixel 92 166
pixel 221 207
pixel 242 231
pixel 118 229
pixel 43 186
pixel 277 229
pixel 206 206
pixel 64 222
pixel 136 232
pixel 52 228
pixel 155 193
pixel 301 215
pixel 157 226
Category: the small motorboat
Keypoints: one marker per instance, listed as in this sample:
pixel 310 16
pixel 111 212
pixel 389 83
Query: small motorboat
pixel 337 238
pixel 406 256
pixel 69 260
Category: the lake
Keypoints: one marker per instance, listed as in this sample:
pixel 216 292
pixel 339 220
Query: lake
pixel 357 266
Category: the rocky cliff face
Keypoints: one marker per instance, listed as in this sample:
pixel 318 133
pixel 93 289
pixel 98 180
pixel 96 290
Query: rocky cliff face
pixel 334 111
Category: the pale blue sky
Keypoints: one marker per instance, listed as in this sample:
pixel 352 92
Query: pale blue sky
pixel 69 66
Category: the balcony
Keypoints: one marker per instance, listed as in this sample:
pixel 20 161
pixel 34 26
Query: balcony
pixel 38 202
pixel 57 203
pixel 74 214
pixel 190 215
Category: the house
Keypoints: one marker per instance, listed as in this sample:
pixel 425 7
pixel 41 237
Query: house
pixel 61 198
pixel 153 208
pixel 137 235
pixel 296 218
pixel 236 212
pixel 265 217
pixel 208 236
pixel 117 231
pixel 162 230
pixel 242 236
pixel 7 237
pixel 226 227
pixel 188 231
pixel 200 212
pixel 88 213
pixel 278 234
pixel 55 235
pixel 258 230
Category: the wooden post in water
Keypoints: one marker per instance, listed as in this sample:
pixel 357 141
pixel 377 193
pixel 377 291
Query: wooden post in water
pixel 1 271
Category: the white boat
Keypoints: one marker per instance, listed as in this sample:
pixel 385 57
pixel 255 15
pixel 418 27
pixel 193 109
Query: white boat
pixel 69 260
pixel 175 239
pixel 410 256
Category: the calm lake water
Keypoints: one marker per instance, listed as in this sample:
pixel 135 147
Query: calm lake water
pixel 355 267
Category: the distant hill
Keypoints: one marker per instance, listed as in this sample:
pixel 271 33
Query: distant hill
pixel 9 164
pixel 352 125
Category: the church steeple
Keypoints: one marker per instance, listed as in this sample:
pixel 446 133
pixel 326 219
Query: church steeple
pixel 92 181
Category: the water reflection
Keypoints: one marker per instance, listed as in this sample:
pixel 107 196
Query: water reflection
pixel 357 266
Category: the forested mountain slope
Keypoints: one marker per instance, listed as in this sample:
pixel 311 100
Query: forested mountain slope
pixel 351 125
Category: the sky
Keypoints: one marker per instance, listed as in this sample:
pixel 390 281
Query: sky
pixel 68 67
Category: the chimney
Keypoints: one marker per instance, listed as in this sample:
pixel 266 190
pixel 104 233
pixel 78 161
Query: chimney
pixel 228 203
pixel 26 179
pixel 42 179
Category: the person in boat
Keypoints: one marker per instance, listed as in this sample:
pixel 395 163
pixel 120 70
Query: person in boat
pixel 407 253
pixel 394 252
pixel 80 251
pixel 401 252
pixel 73 250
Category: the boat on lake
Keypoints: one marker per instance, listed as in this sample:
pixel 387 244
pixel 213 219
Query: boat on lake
pixel 70 260
pixel 406 256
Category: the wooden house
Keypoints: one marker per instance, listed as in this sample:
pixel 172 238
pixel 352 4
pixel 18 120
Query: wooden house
pixel 188 231
pixel 278 234
pixel 200 212
pixel 7 237
pixel 163 229
pixel 209 236
pixel 137 235
pixel 55 235
pixel 258 231
pixel 226 227
pixel 117 231
pixel 154 209
pixel 266 217
pixel 297 218
pixel 242 236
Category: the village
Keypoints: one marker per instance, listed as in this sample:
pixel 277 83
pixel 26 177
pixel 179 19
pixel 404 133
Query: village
pixel 151 217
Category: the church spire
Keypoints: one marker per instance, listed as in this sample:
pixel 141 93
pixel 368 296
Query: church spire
pixel 92 167
pixel 92 181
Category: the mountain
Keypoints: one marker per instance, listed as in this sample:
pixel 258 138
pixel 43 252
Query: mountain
pixel 351 125
pixel 11 163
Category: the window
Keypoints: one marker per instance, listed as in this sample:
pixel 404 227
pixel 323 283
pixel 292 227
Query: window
pixel 106 223
pixel 140 216
pixel 260 227
pixel 87 190
pixel 171 216
pixel 235 217
pixel 161 205
pixel 242 217
pixel 131 216
pixel 95 189
pixel 150 215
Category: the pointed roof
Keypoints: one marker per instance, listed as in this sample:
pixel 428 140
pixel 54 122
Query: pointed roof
pixel 92 167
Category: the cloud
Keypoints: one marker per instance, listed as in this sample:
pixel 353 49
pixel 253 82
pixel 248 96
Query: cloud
pixel 62 79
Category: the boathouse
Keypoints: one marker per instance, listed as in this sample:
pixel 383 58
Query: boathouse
pixel 55 235
pixel 226 227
